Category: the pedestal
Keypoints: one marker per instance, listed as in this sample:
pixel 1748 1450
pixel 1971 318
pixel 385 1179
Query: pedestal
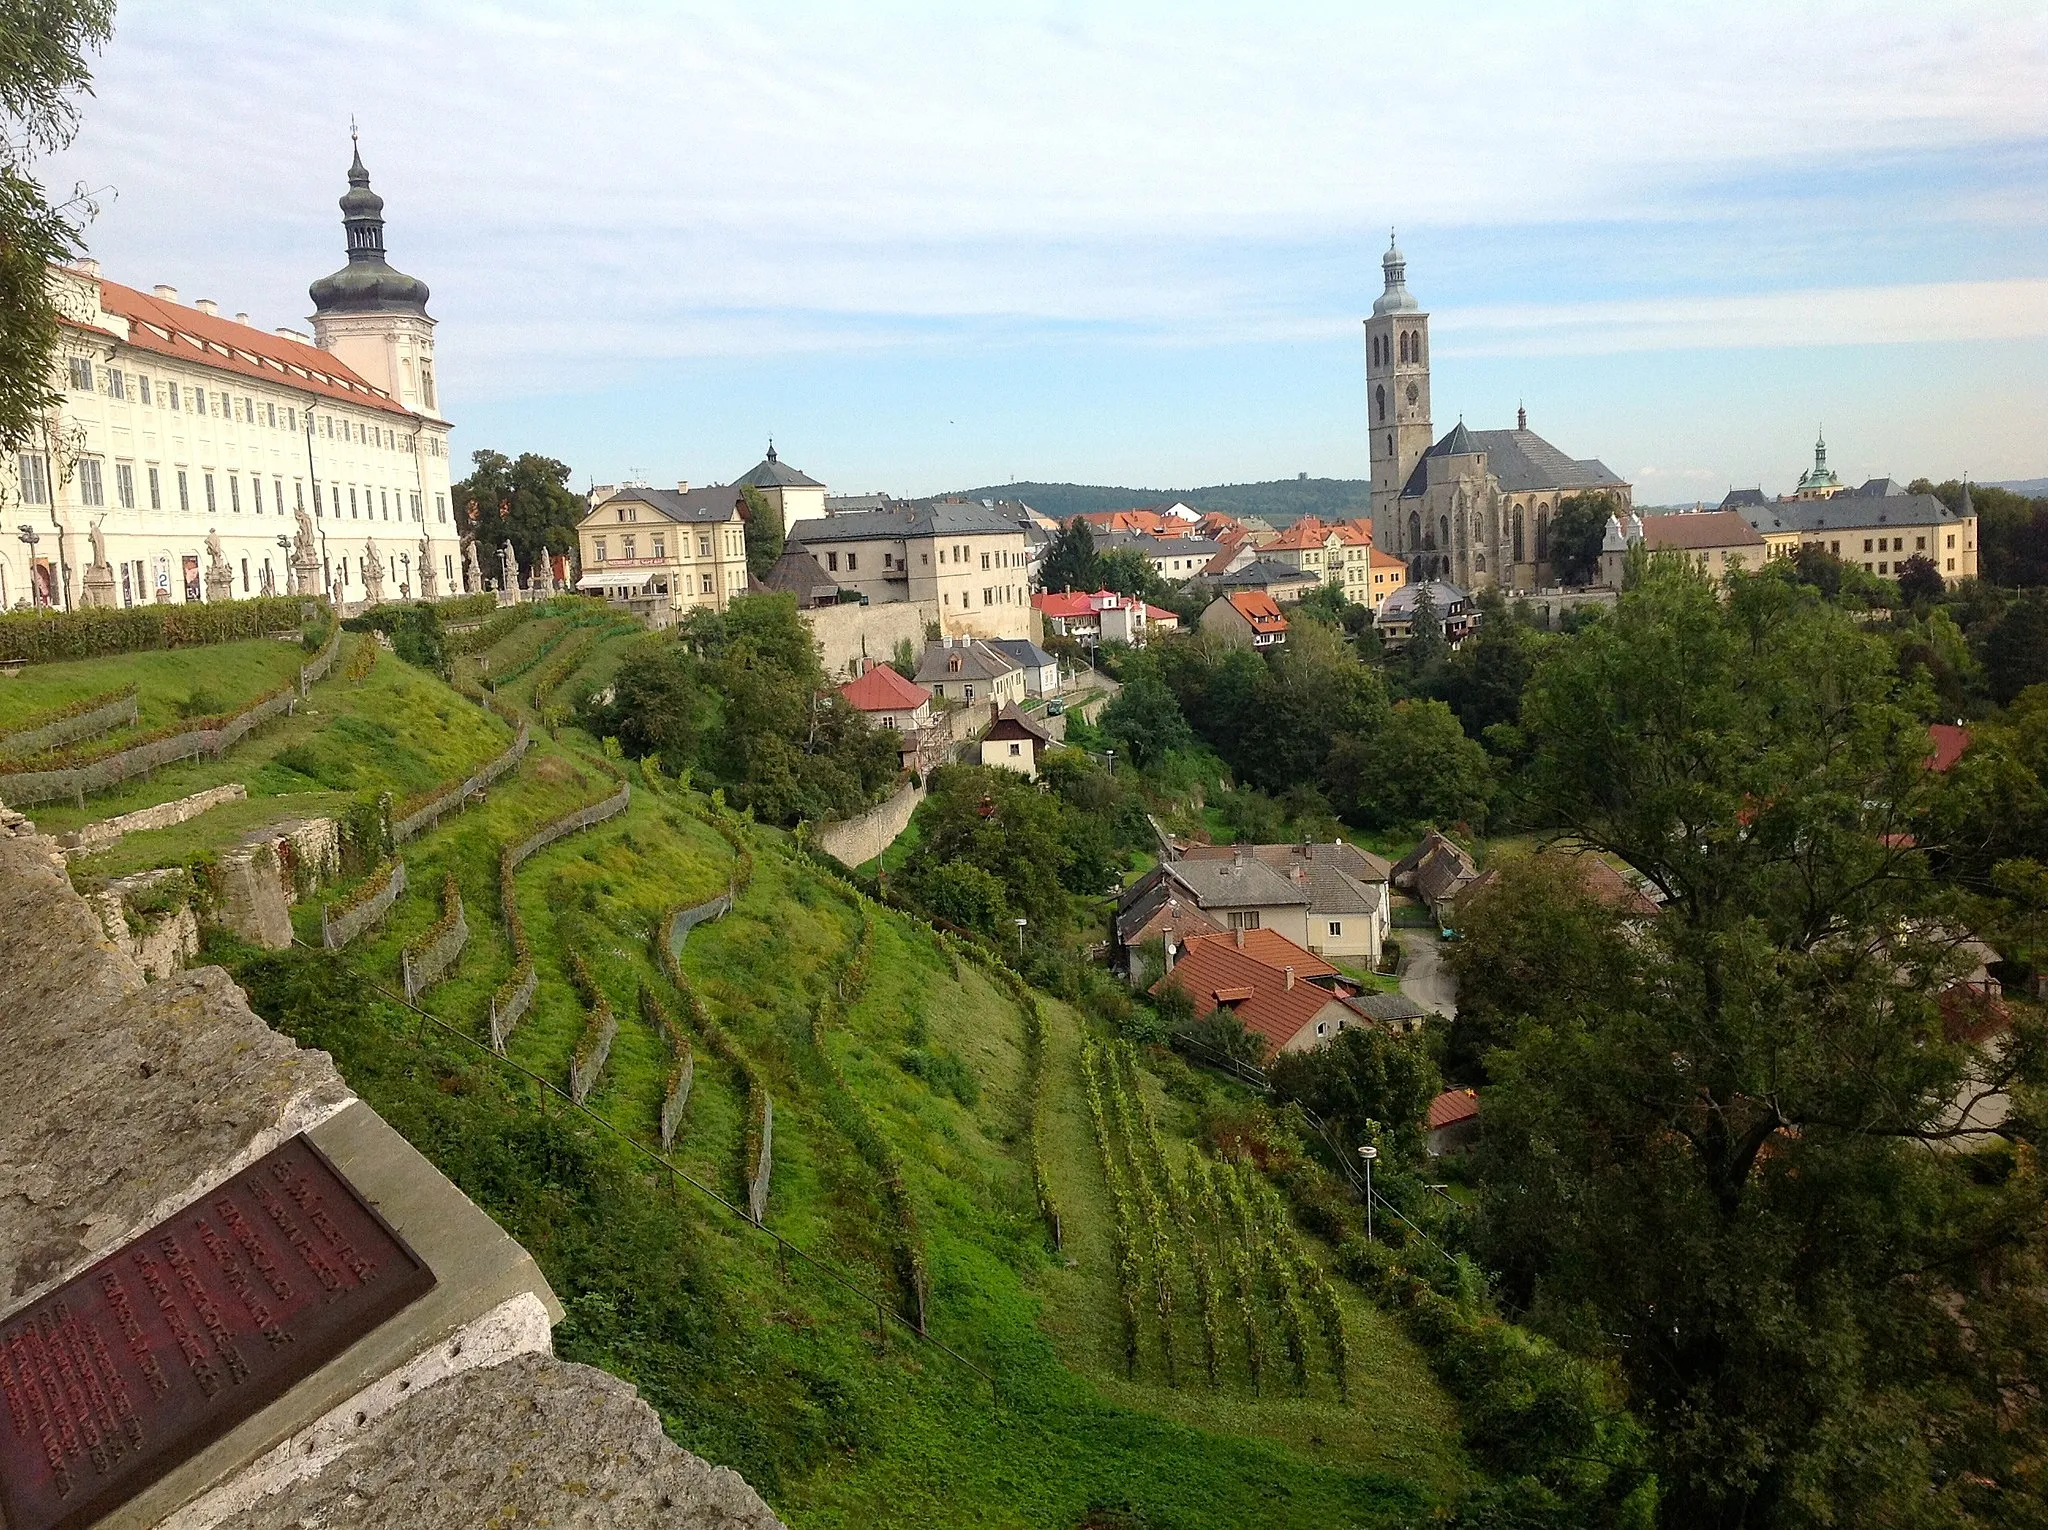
pixel 220 584
pixel 99 587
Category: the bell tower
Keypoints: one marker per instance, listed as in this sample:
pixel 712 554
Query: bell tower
pixel 372 316
pixel 1396 394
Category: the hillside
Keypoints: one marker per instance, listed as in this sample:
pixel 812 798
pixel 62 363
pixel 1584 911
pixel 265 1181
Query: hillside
pixel 1281 501
pixel 909 1100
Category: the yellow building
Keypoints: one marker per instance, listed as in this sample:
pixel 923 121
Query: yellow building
pixel 1876 527
pixel 664 551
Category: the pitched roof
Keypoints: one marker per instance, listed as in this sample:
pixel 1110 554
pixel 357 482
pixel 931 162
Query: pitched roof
pixel 771 472
pixel 1253 982
pixel 1874 504
pixel 1259 574
pixel 1011 721
pixel 1236 883
pixel 1388 1008
pixel 1520 460
pixel 1599 880
pixel 1359 865
pixel 1258 610
pixel 1695 530
pixel 1451 1107
pixel 183 333
pixel 1387 560
pixel 1950 740
pixel 1023 652
pixel 797 573
pixel 711 506
pixel 1162 908
pixel 881 689
pixel 977 661
pixel 941 518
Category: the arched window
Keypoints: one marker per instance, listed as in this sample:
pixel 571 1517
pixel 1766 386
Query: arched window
pixel 1415 346
pixel 1479 564
pixel 1380 396
pixel 1443 530
pixel 1404 345
pixel 1542 534
pixel 1414 531
pixel 1517 524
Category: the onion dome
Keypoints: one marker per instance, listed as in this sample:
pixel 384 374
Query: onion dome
pixel 367 284
pixel 1397 298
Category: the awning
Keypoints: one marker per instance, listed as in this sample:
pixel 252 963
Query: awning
pixel 620 580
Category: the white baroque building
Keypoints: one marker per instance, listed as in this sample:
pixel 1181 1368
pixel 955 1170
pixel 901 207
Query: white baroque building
pixel 195 457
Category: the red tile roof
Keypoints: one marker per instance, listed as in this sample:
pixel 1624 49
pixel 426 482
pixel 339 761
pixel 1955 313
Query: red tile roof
pixel 881 689
pixel 185 334
pixel 1698 530
pixel 1259 609
pixel 1451 1107
pixel 1950 740
pixel 1313 531
pixel 1387 560
pixel 1253 981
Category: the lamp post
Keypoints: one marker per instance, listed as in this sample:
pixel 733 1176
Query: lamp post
pixel 1368 1153
pixel 1020 923
pixel 1111 753
pixel 29 537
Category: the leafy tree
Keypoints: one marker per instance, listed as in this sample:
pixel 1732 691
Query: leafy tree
pixel 1844 583
pixel 996 820
pixel 1364 1082
pixel 659 705
pixel 525 500
pixel 1145 721
pixel 1919 581
pixel 1576 533
pixel 1419 768
pixel 761 518
pixel 43 70
pixel 1426 649
pixel 1069 563
pixel 1711 1170
pixel 1329 604
pixel 2012 530
pixel 1484 679
pixel 962 893
pixel 904 659
pixel 1129 572
pixel 2016 648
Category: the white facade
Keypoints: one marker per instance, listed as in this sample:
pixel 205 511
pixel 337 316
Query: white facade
pixel 176 425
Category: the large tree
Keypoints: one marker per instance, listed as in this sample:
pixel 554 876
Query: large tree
pixel 764 530
pixel 1731 1167
pixel 525 500
pixel 1417 768
pixel 1069 563
pixel 43 49
pixel 1576 534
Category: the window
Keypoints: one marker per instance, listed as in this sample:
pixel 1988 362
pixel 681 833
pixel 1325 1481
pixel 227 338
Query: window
pixel 1336 927
pixel 1835 548
pixel 124 484
pixel 117 384
pixel 234 493
pixel 988 595
pixel 270 415
pixel 427 383
pixel 416 509
pixel 707 583
pixel 660 545
pixel 351 501
pixel 156 491
pixel 1951 541
pixel 966 692
pixel 1413 393
pixel 966 599
pixel 184 493
pixel 1951 565
pixel 142 387
pixel 35 479
pixel 1883 568
pixel 81 374
pixel 90 490
pixel 212 506
pixel 1016 750
pixel 384 503
pixel 290 419
pixel 248 409
pixel 298 494
pixel 1919 544
pixel 256 493
pixel 626 550
pixel 245 576
pixel 277 494
pixel 852 562
pixel 1244 919
pixel 441 508
pixel 1866 544
pixel 704 550
pixel 601 553
pixel 924 560
pixel 171 394
pixel 984 563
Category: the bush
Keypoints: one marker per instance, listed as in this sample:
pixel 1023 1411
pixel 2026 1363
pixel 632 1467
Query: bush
pixel 44 637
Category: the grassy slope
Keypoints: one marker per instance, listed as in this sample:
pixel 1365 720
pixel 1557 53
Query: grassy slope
pixel 232 673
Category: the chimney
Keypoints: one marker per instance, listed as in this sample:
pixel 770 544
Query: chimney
pixel 1239 933
pixel 288 333
pixel 168 294
pixel 1170 953
pixel 682 486
pixel 85 265
pixel 206 305
pixel 1521 418
pixel 242 318
pixel 1237 854
pixel 1290 978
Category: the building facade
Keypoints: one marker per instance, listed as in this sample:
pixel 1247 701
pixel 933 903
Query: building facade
pixel 194 457
pixel 1339 553
pixel 1476 506
pixel 967 559
pixel 668 551
pixel 1876 526
pixel 796 495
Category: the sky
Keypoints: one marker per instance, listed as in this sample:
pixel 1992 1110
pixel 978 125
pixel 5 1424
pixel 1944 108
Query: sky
pixel 939 246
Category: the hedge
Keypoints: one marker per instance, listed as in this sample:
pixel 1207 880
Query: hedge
pixel 44 637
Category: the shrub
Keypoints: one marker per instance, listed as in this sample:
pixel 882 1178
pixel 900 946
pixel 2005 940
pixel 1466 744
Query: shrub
pixel 43 637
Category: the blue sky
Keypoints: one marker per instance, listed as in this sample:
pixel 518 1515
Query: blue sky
pixel 932 246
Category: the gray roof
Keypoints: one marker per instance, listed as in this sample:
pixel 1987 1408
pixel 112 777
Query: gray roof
pixel 1011 719
pixel 797 573
pixel 1245 883
pixel 1359 865
pixel 1259 574
pixel 1388 1007
pixel 945 518
pixel 693 507
pixel 771 472
pixel 840 504
pixel 1444 595
pixel 1878 503
pixel 978 661
pixel 1521 460
pixel 1741 498
pixel 1331 891
pixel 1023 652
pixel 1158 547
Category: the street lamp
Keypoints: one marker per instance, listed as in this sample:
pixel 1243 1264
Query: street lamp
pixel 1020 923
pixel 1111 753
pixel 29 538
pixel 1368 1153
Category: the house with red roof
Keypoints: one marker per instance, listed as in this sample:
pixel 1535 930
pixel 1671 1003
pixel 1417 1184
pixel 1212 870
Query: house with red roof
pixel 888 700
pixel 1336 552
pixel 1286 996
pixel 1949 741
pixel 1249 618
pixel 1103 616
pixel 1452 1123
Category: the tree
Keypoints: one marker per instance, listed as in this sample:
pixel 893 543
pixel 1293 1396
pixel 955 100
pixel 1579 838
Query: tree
pixel 659 705
pixel 1145 721
pixel 524 500
pixel 765 532
pixel 1129 572
pixel 1484 679
pixel 1919 581
pixel 1069 563
pixel 1365 1082
pixel 1426 649
pixel 1576 534
pixel 2016 648
pixel 1710 1170
pixel 1419 768
pixel 43 70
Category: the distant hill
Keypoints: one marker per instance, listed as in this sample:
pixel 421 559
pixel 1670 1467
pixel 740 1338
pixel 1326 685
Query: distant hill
pixel 2031 487
pixel 1281 501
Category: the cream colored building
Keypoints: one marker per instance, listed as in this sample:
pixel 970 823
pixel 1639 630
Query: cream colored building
pixel 663 551
pixel 1716 542
pixel 797 495
pixel 966 559
pixel 176 424
pixel 1337 552
pixel 1877 526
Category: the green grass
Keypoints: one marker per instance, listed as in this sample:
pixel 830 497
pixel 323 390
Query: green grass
pixel 223 677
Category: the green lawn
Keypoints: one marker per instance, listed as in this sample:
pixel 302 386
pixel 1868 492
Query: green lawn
pixel 171 683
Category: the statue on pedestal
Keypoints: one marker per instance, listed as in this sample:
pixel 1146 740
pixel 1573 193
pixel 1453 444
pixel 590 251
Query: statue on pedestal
pixel 99 574
pixel 220 579
pixel 508 568
pixel 373 573
pixel 544 574
pixel 305 556
pixel 429 583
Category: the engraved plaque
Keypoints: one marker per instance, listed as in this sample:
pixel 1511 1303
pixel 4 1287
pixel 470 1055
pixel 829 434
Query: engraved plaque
pixel 163 1346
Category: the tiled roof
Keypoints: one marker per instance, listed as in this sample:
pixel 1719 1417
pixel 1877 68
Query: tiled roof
pixel 1258 609
pixel 1950 740
pixel 1387 560
pixel 1012 721
pixel 690 507
pixel 1696 530
pixel 1845 512
pixel 1595 876
pixel 1162 908
pixel 881 689
pixel 1236 883
pixel 1521 460
pixel 182 333
pixel 1451 1107
pixel 797 573
pixel 978 661
pixel 1253 981
pixel 1312 531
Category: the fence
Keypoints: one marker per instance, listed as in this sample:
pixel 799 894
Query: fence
pixel 338 931
pixel 588 1063
pixel 687 919
pixel 317 670
pixel 24 787
pixel 444 943
pixel 503 1020
pixel 582 818
pixel 108 715
pixel 757 1184
pixel 456 796
pixel 676 1096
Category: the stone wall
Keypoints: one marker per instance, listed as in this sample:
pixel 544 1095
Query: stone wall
pixel 97 836
pixel 855 841
pixel 848 634
pixel 122 1102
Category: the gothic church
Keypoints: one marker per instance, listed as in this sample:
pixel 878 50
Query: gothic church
pixel 1475 507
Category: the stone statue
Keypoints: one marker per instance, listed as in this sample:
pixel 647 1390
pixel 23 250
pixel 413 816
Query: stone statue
pixel 220 579
pixel 373 573
pixel 544 574
pixel 215 557
pixel 266 585
pixel 428 582
pixel 99 544
pixel 98 579
pixel 302 549
pixel 305 556
pixel 508 566
pixel 472 570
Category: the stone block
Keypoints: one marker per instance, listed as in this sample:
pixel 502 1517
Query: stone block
pixel 252 896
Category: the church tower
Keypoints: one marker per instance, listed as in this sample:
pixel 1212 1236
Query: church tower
pixel 371 316
pixel 1396 394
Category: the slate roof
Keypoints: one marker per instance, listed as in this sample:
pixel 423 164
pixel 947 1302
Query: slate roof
pixel 1259 574
pixel 1443 595
pixel 797 573
pixel 1694 530
pixel 1236 883
pixel 1166 902
pixel 1433 868
pixel 978 661
pixel 1022 652
pixel 1738 499
pixel 1357 865
pixel 1520 459
pixel 944 518
pixel 1877 503
pixel 1389 1008
pixel 1011 722
pixel 771 472
pixel 690 507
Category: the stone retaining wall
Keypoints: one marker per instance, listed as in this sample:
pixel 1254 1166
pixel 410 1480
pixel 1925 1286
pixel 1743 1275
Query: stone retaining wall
pixel 118 713
pixel 97 836
pixel 856 841
pixel 337 930
pixel 425 818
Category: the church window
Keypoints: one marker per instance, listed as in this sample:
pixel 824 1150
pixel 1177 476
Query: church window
pixel 1443 530
pixel 1542 534
pixel 1380 396
pixel 1413 393
pixel 1414 531
pixel 1479 564
pixel 1517 524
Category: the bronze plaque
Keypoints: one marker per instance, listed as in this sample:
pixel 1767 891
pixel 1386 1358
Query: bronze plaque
pixel 163 1346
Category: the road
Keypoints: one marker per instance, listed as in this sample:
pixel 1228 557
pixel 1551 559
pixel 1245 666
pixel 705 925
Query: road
pixel 1424 978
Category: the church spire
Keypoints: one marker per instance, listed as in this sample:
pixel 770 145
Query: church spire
pixel 1394 266
pixel 367 284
